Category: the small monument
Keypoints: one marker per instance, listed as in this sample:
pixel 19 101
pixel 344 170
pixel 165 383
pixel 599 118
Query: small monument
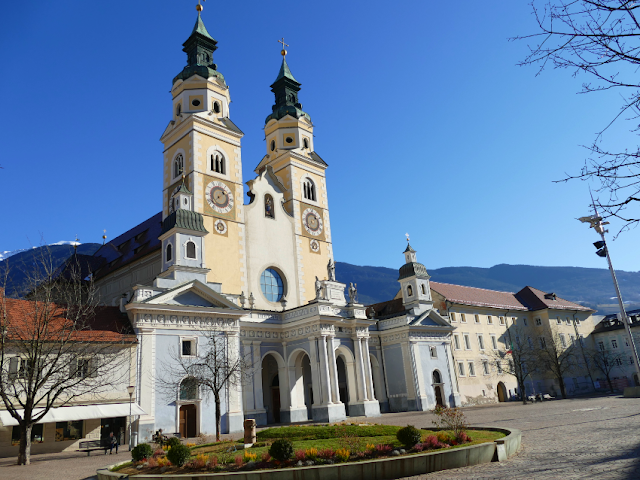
pixel 249 431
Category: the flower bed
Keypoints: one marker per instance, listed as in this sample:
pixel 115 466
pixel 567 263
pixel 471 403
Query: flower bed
pixel 306 446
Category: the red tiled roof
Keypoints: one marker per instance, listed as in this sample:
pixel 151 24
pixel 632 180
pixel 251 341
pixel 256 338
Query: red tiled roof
pixel 25 318
pixel 478 296
pixel 536 299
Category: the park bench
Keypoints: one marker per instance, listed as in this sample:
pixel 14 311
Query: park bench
pixel 91 445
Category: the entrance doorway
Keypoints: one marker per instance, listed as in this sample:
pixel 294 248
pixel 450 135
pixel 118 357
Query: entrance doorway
pixel 275 398
pixel 439 401
pixel 115 425
pixel 343 389
pixel 437 388
pixel 502 392
pixel 188 421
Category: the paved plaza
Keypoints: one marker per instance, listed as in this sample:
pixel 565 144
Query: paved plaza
pixel 580 438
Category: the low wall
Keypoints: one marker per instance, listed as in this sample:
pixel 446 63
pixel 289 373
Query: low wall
pixel 380 469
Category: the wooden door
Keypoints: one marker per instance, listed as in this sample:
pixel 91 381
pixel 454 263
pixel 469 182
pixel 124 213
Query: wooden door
pixel 439 401
pixel 188 421
pixel 502 394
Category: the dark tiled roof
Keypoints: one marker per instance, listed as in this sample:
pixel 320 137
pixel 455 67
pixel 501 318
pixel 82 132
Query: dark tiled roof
pixel 132 245
pixel 535 299
pixel 478 296
pixel 411 269
pixel 388 308
pixel 611 322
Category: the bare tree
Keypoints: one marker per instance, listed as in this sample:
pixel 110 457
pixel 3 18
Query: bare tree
pixel 517 358
pixel 598 38
pixel 557 357
pixel 215 366
pixel 51 354
pixel 606 361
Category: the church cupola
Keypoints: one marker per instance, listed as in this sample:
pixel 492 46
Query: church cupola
pixel 286 89
pixel 199 48
pixel 414 282
pixel 182 199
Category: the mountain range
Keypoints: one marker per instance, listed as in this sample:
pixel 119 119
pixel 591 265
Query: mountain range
pixel 591 287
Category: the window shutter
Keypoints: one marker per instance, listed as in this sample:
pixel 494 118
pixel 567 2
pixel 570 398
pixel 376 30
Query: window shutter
pixel 13 366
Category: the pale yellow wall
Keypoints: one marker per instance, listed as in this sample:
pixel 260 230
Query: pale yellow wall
pixel 223 256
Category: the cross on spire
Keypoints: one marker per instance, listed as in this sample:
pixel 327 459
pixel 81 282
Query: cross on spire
pixel 283 52
pixel 407 235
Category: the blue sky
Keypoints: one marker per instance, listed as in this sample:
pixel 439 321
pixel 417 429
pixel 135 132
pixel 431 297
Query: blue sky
pixel 426 122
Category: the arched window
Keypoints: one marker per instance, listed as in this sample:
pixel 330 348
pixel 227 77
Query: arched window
pixel 217 163
pixel 273 145
pixel 189 389
pixel 169 253
pixel 191 250
pixel 409 291
pixel 268 207
pixel 178 166
pixel 436 377
pixel 216 107
pixel 305 143
pixel 309 189
pixel 178 109
pixel 424 289
pixel 272 285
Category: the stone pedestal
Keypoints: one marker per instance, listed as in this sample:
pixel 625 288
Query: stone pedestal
pixel 369 408
pixel 249 431
pixel 331 413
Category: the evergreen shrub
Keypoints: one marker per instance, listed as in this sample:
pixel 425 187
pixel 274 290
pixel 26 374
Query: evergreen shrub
pixel 281 450
pixel 179 454
pixel 141 451
pixel 409 436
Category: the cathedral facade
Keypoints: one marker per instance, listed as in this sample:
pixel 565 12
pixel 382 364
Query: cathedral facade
pixel 262 276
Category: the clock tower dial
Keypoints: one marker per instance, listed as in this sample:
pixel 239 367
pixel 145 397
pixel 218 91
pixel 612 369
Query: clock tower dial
pixel 312 221
pixel 219 196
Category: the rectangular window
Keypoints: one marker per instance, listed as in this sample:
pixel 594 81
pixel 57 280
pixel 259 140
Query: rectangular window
pixel 577 321
pixel 630 360
pixel 524 320
pixel 477 317
pixel 538 322
pixel 463 318
pixel 485 367
pixel 433 351
pixel 188 348
pixel 568 321
pixel 581 339
pixel 558 321
pixel 472 371
pixel 563 341
pixel 453 317
pixel 83 369
pixel 494 343
pixel 572 339
pixel 499 367
pixel 456 342
pixel 480 342
pixel 614 343
pixel 36 434
pixel 618 362
pixel 501 320
pixel 467 342
pixel 601 346
pixel 68 430
pixel 489 319
pixel 530 342
pixel 543 342
pixel 461 369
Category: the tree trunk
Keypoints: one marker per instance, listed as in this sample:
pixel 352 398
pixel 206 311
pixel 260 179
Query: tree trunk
pixel 218 416
pixel 523 395
pixel 563 390
pixel 24 454
pixel 610 384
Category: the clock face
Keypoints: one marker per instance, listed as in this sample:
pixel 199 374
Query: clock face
pixel 219 197
pixel 220 227
pixel 312 221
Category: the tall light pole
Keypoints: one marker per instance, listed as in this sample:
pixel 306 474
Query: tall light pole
pixel 130 389
pixel 597 224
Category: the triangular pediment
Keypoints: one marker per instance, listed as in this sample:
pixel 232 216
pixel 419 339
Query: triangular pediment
pixel 192 294
pixel 431 318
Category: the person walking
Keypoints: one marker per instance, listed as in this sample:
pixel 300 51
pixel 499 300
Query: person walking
pixel 113 442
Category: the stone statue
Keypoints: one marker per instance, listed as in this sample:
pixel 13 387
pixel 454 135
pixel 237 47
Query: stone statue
pixel 318 289
pixel 353 293
pixel 331 270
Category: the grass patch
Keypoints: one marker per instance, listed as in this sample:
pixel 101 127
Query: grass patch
pixel 309 432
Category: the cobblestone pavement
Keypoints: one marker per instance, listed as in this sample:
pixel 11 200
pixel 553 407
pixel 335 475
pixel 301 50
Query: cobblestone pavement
pixel 584 438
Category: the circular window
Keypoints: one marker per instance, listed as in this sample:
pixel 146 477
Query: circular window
pixel 273 145
pixel 272 285
pixel 195 103
pixel 216 107
pixel 288 140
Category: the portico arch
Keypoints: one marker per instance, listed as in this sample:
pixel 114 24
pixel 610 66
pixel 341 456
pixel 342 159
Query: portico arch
pixel 300 385
pixel 275 392
pixel 378 380
pixel 345 363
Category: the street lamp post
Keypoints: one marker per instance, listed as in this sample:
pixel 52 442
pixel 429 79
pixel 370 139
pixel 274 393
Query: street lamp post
pixel 130 389
pixel 597 224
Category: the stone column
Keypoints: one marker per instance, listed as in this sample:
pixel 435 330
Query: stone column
pixel 248 390
pixel 257 377
pixel 315 374
pixel 325 378
pixel 367 367
pixel 333 370
pixel 421 387
pixel 360 373
pixel 236 416
pixel 409 377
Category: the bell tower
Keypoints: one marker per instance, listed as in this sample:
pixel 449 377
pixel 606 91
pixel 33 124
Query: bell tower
pixel 291 154
pixel 202 145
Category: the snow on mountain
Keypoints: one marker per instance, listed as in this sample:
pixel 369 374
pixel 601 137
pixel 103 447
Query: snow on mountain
pixel 9 253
